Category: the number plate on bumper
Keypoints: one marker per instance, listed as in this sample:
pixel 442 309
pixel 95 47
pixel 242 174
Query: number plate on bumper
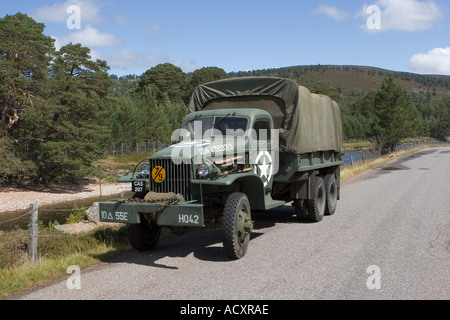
pixel 179 215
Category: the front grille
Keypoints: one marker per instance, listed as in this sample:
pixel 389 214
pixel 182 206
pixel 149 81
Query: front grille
pixel 177 178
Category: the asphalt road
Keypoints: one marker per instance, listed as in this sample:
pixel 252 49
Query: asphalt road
pixel 389 239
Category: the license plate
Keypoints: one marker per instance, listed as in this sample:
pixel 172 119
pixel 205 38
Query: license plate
pixel 138 186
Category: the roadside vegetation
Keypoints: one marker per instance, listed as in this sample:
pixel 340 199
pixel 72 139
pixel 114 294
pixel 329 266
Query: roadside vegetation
pixel 56 252
pixel 111 167
pixel 369 164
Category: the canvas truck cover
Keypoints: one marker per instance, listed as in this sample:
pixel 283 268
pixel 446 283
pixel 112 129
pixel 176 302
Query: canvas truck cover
pixel 307 122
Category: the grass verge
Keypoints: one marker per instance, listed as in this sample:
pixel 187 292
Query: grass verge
pixel 360 167
pixel 56 253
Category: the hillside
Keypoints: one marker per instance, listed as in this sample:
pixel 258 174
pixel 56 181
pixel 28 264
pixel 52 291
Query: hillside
pixel 351 81
pixel 357 80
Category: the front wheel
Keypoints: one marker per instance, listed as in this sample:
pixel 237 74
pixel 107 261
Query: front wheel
pixel 236 225
pixel 143 236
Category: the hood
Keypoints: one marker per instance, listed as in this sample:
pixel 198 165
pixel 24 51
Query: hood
pixel 204 150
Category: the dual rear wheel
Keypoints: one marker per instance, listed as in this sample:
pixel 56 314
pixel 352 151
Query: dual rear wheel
pixel 323 203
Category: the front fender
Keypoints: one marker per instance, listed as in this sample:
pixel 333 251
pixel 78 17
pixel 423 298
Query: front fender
pixel 248 183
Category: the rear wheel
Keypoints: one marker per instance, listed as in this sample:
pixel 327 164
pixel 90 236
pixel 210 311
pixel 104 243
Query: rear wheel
pixel 331 194
pixel 316 207
pixel 237 225
pixel 300 210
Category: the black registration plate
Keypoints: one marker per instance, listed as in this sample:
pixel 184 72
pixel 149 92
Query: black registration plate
pixel 138 186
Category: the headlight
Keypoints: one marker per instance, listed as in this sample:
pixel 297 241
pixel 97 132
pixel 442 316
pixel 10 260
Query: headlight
pixel 203 170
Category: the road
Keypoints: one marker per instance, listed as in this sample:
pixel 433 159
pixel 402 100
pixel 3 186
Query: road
pixel 389 239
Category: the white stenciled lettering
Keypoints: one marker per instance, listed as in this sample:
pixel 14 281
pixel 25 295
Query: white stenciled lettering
pixel 188 219
pixel 122 216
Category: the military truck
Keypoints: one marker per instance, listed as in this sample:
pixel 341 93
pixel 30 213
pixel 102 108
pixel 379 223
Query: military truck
pixel 252 143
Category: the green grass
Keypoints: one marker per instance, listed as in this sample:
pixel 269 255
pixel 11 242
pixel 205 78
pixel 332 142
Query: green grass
pixel 127 162
pixel 56 252
pixel 356 145
pixel 112 167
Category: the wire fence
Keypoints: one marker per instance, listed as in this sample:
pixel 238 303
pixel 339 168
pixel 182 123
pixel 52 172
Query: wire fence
pixel 350 158
pixel 421 144
pixel 138 147
pixel 33 216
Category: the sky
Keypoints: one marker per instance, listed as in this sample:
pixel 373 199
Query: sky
pixel 241 35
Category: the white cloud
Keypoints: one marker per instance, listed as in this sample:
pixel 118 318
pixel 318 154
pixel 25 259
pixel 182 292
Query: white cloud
pixel 89 37
pixel 128 60
pixel 436 61
pixel 120 19
pixel 154 27
pixel 333 12
pixel 405 15
pixel 89 12
pixel 186 66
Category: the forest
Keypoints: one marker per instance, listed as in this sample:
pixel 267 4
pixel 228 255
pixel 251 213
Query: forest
pixel 60 109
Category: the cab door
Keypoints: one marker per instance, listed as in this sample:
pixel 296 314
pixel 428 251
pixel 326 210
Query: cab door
pixel 263 162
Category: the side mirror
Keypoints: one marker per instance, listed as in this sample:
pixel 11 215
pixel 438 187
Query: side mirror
pixel 179 135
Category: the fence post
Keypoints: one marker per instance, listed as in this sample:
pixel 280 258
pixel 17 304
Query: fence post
pixel 32 250
pixel 351 160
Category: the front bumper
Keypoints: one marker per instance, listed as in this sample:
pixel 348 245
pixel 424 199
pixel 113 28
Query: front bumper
pixel 183 214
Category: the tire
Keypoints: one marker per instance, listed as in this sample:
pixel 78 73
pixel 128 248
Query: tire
pixel 316 207
pixel 331 194
pixel 236 225
pixel 145 235
pixel 300 210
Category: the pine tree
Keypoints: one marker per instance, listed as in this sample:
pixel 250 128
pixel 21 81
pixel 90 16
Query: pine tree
pixel 396 117
pixel 74 129
pixel 166 79
pixel 25 55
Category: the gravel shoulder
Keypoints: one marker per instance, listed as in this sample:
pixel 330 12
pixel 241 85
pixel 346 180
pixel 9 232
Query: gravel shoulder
pixel 12 199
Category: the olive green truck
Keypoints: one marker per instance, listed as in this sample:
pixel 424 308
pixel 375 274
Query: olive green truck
pixel 253 143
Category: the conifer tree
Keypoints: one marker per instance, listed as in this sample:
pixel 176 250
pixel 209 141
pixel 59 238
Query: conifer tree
pixel 74 116
pixel 396 116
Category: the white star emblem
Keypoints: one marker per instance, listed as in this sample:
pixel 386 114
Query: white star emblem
pixel 265 169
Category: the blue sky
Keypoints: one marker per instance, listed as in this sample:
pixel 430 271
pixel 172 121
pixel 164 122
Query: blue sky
pixel 133 36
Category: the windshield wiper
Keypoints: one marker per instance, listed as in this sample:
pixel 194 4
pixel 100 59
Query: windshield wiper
pixel 220 120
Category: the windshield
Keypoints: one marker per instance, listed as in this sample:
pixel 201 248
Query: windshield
pixel 226 125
